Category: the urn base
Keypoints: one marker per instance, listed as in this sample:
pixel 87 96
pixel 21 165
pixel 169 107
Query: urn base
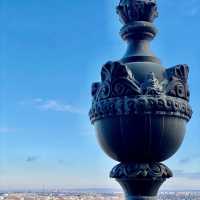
pixel 141 181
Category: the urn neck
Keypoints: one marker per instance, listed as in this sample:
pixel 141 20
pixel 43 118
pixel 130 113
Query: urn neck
pixel 138 50
pixel 138 30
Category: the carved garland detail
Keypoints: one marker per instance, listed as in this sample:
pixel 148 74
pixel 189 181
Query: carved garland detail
pixel 139 170
pixel 142 105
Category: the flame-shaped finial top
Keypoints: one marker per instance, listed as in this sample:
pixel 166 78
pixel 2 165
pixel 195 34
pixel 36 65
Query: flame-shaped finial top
pixel 137 10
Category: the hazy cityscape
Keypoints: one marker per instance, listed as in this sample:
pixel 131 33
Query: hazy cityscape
pixel 91 195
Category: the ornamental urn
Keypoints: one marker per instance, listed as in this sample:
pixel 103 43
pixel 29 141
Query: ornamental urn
pixel 140 108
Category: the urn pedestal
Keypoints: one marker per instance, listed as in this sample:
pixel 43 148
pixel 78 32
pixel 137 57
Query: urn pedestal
pixel 140 109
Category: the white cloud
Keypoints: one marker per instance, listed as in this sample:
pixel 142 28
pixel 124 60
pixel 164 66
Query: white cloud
pixel 181 183
pixel 53 105
pixel 189 159
pixel 188 175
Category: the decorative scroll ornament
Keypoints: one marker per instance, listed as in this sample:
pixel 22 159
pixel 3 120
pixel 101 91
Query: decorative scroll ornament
pixel 137 10
pixel 119 93
pixel 117 80
pixel 140 170
pixel 177 85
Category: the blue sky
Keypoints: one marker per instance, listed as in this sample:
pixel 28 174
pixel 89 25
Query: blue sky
pixel 51 52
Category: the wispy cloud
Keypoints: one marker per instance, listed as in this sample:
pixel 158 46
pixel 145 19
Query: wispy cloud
pixel 32 158
pixel 53 105
pixel 189 175
pixel 189 159
pixel 185 160
pixel 61 161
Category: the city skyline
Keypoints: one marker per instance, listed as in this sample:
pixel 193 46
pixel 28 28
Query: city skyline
pixel 93 196
pixel 51 52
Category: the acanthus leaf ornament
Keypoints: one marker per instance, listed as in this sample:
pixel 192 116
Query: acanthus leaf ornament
pixel 116 80
pixel 119 93
pixel 177 81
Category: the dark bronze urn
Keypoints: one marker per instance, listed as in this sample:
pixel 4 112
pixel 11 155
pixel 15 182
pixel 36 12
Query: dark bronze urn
pixel 140 109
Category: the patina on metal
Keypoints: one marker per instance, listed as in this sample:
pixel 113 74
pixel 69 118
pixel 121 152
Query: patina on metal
pixel 140 109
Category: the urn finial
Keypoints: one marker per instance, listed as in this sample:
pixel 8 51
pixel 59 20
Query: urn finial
pixel 137 17
pixel 137 10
